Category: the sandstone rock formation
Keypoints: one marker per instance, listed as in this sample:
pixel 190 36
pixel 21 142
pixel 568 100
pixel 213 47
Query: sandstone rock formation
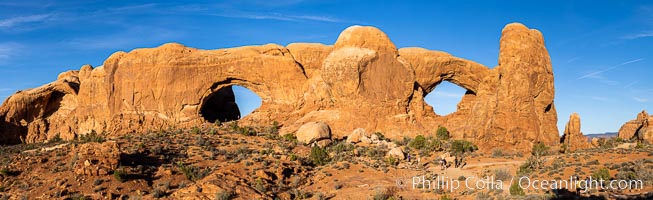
pixel 638 128
pixel 313 132
pixel 362 81
pixel 572 137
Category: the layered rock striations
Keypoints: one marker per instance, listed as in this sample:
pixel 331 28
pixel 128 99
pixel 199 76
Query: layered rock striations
pixel 362 81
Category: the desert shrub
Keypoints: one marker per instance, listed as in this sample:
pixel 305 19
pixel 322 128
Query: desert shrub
pixel 274 129
pixel 418 143
pixel 195 130
pixel 601 174
pixel 496 153
pixel 502 174
pixel 540 149
pixel 192 173
pixel 91 137
pixel 593 162
pixel 392 161
pixel 341 147
pixel 289 137
pixel 319 156
pixel 463 146
pixel 536 160
pixel 564 148
pixel 259 186
pixel 380 135
pixel 293 157
pixel 516 190
pixel 120 175
pixel 247 131
pixel 557 164
pixel 377 152
pixel 483 196
pixel 386 194
pixel 442 133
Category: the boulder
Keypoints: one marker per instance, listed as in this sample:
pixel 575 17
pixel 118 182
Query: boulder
pixel 397 153
pixel 356 135
pixel 595 142
pixel 313 132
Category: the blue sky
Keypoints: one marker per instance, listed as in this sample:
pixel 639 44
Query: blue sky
pixel 602 53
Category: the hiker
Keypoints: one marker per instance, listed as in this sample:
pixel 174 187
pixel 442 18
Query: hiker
pixel 408 157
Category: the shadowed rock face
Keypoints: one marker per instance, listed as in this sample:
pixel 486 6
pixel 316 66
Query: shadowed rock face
pixel 572 137
pixel 362 81
pixel 638 128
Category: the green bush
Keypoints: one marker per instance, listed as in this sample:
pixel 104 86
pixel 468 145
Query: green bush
pixel 392 161
pixel 442 133
pixel 462 146
pixel 120 175
pixel 91 137
pixel 224 195
pixel 516 190
pixel 319 156
pixel 195 130
pixel 293 157
pixel 380 135
pixel 191 172
pixel 539 149
pixel 601 174
pixel 418 143
pixel 289 137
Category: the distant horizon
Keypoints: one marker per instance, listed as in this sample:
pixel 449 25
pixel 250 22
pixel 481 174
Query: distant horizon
pixel 600 52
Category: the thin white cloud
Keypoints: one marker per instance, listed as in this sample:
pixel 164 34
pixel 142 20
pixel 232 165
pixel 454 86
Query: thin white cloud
pixel 641 100
pixel 638 35
pixel 7 50
pixel 132 7
pixel 6 89
pixel 631 84
pixel 15 21
pixel 573 59
pixel 280 17
pixel 597 73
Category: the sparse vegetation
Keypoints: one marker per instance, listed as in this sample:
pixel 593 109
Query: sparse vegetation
pixel 601 174
pixel 120 175
pixel 442 133
pixel 516 190
pixel 91 137
pixel 502 174
pixel 319 156
pixel 224 195
pixel 418 143
pixel 192 173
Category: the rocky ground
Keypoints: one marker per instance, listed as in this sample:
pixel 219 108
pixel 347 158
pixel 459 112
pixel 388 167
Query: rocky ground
pixel 226 161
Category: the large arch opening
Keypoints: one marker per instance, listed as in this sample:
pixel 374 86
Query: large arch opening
pixel 445 98
pixel 229 103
